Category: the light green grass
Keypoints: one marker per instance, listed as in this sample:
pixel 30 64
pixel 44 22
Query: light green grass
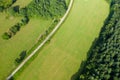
pixel 61 58
pixel 23 40
pixel 67 2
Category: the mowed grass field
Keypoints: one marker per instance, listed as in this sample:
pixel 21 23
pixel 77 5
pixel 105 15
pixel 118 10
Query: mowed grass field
pixel 23 40
pixel 61 58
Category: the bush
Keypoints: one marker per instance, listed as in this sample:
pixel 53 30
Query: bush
pixel 23 12
pixel 16 8
pixel 6 36
pixel 14 29
pixel 21 57
pixel 25 20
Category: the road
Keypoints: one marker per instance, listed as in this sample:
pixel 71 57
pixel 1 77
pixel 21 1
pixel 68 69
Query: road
pixel 46 39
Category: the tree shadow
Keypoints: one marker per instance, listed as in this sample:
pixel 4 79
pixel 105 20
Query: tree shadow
pixel 83 63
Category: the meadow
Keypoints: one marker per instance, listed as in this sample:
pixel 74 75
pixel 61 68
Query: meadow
pixel 23 40
pixel 61 58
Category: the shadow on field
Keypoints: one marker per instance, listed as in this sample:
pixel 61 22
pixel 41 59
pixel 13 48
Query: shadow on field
pixel 83 63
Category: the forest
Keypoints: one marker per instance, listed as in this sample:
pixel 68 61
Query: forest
pixel 45 8
pixel 103 62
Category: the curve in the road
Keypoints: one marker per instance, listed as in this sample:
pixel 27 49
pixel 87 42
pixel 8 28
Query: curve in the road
pixel 46 39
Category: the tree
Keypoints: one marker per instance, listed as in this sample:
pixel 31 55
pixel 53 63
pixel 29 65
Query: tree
pixel 16 8
pixel 6 36
pixel 21 57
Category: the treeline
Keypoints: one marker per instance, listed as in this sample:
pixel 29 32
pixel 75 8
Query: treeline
pixel 104 60
pixel 14 29
pixel 44 8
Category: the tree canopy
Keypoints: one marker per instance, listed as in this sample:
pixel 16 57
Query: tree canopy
pixel 45 8
pixel 104 60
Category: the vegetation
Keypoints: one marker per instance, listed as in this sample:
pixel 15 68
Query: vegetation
pixel 22 56
pixel 45 8
pixel 14 29
pixel 25 39
pixel 60 59
pixel 5 4
pixel 104 60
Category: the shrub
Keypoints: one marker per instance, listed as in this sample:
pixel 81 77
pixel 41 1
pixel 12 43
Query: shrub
pixel 21 57
pixel 6 36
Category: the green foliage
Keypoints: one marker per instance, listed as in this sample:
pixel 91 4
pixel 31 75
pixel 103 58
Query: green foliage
pixel 14 29
pixel 25 20
pixel 6 3
pixel 45 8
pixel 23 12
pixel 104 62
pixel 1 8
pixel 6 36
pixel 21 58
pixel 11 11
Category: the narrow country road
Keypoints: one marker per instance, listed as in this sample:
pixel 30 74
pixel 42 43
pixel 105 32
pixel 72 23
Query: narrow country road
pixel 46 39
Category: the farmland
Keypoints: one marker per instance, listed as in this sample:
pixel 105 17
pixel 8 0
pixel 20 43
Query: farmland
pixel 23 40
pixel 61 58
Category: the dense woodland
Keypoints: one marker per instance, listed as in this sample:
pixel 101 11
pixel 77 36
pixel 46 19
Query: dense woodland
pixel 37 8
pixel 103 62
pixel 45 8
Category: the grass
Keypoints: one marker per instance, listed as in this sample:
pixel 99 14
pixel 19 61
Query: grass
pixel 23 40
pixel 67 2
pixel 61 58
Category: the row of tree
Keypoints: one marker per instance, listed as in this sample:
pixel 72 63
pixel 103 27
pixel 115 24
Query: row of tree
pixel 104 60
pixel 14 29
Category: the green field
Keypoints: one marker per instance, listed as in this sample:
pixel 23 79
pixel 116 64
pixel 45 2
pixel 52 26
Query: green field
pixel 23 40
pixel 61 58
